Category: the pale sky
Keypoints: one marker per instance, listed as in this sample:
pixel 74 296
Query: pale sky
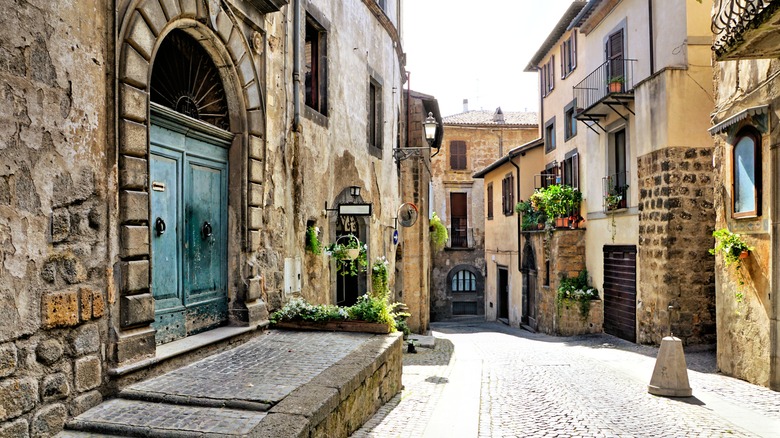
pixel 477 50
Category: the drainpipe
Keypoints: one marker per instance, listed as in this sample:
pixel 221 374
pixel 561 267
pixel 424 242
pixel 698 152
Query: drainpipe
pixel 296 65
pixel 652 44
pixel 519 224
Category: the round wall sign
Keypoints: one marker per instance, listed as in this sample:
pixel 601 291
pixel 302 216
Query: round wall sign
pixel 395 237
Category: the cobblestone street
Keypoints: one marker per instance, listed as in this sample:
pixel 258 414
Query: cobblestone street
pixel 490 380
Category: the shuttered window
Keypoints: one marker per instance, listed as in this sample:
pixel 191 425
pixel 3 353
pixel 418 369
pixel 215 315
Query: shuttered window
pixel 507 194
pixel 490 201
pixel 458 155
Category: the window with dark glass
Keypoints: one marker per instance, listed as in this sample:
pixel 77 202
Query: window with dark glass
pixel 458 155
pixel 459 233
pixel 746 174
pixel 617 165
pixel 549 135
pixel 569 121
pixel 571 170
pixel 548 76
pixel 464 281
pixel 508 194
pixel 375 114
pixel 490 201
pixel 569 55
pixel 315 66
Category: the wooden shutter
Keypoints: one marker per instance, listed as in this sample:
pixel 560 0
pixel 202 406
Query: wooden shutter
pixel 458 155
pixel 575 171
pixel 573 49
pixel 563 60
pixel 615 54
pixel 490 201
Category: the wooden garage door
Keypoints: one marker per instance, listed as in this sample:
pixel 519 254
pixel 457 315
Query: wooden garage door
pixel 620 291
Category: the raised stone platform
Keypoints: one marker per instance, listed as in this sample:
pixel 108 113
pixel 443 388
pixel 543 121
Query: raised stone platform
pixel 281 384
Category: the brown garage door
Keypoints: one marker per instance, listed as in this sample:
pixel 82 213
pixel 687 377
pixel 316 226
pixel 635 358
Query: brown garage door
pixel 620 291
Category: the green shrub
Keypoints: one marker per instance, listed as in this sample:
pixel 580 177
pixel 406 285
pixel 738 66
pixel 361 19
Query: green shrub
pixel 439 233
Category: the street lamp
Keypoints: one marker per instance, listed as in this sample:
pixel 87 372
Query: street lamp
pixel 429 128
pixel 354 191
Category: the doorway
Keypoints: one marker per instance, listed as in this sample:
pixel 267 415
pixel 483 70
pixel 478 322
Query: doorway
pixel 620 291
pixel 347 286
pixel 503 294
pixel 529 287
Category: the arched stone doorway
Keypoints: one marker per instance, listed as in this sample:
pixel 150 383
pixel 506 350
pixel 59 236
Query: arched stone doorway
pixel 347 288
pixel 224 143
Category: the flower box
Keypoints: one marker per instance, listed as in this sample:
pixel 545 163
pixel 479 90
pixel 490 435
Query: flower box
pixel 335 326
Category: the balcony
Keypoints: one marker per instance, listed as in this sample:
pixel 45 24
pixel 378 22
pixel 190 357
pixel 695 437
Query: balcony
pixel 609 88
pixel 460 238
pixel 746 29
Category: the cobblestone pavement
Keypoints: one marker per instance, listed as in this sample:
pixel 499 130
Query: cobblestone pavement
pixel 532 385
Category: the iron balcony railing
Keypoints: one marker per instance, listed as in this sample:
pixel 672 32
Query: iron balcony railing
pixel 615 191
pixel 543 180
pixel 611 77
pixel 461 238
pixel 731 18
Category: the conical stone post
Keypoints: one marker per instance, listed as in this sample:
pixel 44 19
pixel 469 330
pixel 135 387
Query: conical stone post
pixel 670 375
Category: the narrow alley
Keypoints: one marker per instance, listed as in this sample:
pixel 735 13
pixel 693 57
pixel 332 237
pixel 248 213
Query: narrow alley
pixel 489 380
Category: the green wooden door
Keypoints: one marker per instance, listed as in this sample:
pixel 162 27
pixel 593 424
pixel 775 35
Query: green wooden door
pixel 189 233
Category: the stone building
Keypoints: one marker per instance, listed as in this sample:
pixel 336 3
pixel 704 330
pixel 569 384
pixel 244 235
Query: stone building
pixel 472 141
pixel 507 181
pixel 631 74
pixel 747 106
pixel 161 160
pixel 414 266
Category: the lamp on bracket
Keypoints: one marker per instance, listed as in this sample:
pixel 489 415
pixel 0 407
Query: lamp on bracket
pixel 429 126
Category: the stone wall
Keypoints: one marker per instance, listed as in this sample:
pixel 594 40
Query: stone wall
pixel 567 257
pixel 53 212
pixel 676 221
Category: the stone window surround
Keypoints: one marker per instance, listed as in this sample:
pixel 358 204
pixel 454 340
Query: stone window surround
pixel 376 81
pixel 747 131
pixel 569 122
pixel 549 140
pixel 142 29
pixel 318 20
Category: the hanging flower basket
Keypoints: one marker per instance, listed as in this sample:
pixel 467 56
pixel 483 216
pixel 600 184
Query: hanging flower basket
pixel 350 254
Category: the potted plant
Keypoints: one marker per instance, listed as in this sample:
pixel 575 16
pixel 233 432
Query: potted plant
pixel 313 244
pixel 576 290
pixel 615 84
pixel 350 255
pixel 734 250
pixel 439 234
pixel 614 198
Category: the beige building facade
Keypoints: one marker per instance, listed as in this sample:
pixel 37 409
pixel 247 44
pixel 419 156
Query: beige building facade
pixel 629 74
pixel 161 162
pixel 745 132
pixel 472 141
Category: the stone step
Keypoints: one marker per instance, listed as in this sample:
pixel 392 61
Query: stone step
pixel 135 418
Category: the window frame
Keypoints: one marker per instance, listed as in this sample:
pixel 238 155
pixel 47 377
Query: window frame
pixel 569 121
pixel 468 277
pixel 548 76
pixel 463 156
pixel 374 117
pixel 490 201
pixel 315 95
pixel 755 136
pixel 508 194
pixel 549 140
pixel 569 55
pixel 570 169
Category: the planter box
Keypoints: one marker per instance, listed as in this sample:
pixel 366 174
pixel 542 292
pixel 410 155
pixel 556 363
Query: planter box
pixel 335 326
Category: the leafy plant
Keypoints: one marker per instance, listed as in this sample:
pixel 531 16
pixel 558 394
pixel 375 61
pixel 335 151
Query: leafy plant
pixel 439 234
pixel 380 277
pixel 732 247
pixel 372 309
pixel 576 289
pixel 367 308
pixel 313 244
pixel 549 203
pixel 347 262
pixel 616 80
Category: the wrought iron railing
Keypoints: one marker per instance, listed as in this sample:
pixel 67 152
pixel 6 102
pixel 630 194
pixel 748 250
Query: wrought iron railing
pixel 543 180
pixel 461 238
pixel 613 76
pixel 731 18
pixel 615 191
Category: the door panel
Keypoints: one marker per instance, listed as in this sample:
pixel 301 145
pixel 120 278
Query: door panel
pixel 620 291
pixel 189 259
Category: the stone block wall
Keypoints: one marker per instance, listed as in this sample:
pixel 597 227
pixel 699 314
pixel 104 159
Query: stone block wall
pixel 676 220
pixel 569 320
pixel 54 213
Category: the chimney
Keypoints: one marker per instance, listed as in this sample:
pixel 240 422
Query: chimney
pixel 498 116
pixel 465 105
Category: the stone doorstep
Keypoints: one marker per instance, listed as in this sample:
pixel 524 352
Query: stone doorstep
pixel 149 414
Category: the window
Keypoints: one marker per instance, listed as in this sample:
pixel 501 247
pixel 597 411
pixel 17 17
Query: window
pixel 464 281
pixel 508 194
pixel 569 121
pixel 548 76
pixel 615 55
pixel 549 135
pixel 381 4
pixel 458 155
pixel 569 55
pixel 315 66
pixel 746 174
pixel 618 171
pixel 459 234
pixel 375 114
pixel 490 201
pixel 571 169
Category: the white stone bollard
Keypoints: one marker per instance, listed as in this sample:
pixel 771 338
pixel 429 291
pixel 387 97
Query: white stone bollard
pixel 670 376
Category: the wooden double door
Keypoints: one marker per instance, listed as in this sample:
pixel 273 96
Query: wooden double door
pixel 188 177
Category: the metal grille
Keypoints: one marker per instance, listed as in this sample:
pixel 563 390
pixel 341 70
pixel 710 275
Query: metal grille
pixel 733 17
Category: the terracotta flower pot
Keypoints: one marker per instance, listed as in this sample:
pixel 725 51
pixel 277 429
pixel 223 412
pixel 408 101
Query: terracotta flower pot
pixel 615 87
pixel 744 254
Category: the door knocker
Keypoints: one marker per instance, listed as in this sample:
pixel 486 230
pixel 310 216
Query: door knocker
pixel 159 226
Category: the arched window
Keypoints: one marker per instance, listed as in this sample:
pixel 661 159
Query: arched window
pixel 464 281
pixel 746 174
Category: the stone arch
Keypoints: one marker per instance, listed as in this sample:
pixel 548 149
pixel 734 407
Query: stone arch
pixel 467 299
pixel 143 26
